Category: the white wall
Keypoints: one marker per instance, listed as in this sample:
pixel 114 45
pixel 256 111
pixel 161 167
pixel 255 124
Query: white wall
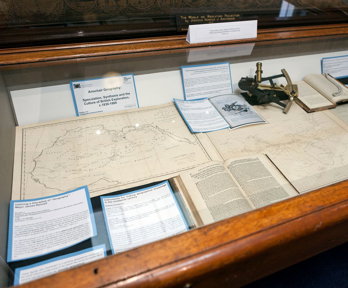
pixel 46 103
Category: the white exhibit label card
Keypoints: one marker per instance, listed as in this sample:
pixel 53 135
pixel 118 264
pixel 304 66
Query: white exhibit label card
pixel 337 67
pixel 45 225
pixel 204 81
pixel 142 216
pixel 200 115
pixel 45 268
pixel 104 94
pixel 202 33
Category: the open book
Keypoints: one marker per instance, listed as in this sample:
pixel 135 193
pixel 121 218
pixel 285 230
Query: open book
pixel 320 91
pixel 216 113
pixel 216 190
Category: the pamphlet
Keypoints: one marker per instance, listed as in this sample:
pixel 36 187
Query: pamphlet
pixel 216 113
pixel 142 216
pixel 202 33
pixel 45 268
pixel 208 80
pixel 45 225
pixel 200 115
pixel 104 94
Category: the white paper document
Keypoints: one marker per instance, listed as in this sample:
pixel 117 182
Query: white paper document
pixel 308 148
pixel 200 115
pixel 142 216
pixel 337 66
pixel 216 113
pixel 44 225
pixel 45 268
pixel 104 94
pixel 236 110
pixel 202 33
pixel 209 80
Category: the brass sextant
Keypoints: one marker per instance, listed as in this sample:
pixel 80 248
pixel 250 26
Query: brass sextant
pixel 258 93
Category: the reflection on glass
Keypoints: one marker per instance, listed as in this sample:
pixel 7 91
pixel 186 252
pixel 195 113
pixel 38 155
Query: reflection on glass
pixel 286 9
pixel 112 79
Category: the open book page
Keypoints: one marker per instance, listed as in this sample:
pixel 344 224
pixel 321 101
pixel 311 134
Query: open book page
pixel 192 215
pixel 328 86
pixel 215 194
pixel 260 180
pixel 310 99
pixel 236 110
pixel 310 149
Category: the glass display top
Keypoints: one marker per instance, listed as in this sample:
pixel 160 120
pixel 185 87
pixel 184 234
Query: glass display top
pixel 158 144
pixel 64 21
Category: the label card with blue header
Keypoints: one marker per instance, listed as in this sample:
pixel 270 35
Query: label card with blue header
pixel 205 81
pixel 142 216
pixel 104 94
pixel 45 268
pixel 202 33
pixel 41 226
pixel 337 67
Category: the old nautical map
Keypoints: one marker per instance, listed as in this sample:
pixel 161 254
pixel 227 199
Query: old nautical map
pixel 107 152
pixel 310 149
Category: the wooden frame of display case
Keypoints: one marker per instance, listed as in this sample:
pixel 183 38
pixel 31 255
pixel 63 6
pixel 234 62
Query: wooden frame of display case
pixel 155 45
pixel 232 252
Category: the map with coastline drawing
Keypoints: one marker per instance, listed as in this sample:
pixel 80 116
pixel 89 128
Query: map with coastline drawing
pixel 308 148
pixel 107 152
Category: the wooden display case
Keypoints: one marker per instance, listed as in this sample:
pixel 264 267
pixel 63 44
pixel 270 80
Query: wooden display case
pixel 233 252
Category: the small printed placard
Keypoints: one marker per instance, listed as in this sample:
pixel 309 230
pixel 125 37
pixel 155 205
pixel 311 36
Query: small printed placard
pixel 51 266
pixel 141 216
pixel 207 80
pixel 203 33
pixel 44 225
pixel 337 67
pixel 104 94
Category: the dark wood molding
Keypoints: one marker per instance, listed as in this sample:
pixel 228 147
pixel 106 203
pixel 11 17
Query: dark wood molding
pixel 74 52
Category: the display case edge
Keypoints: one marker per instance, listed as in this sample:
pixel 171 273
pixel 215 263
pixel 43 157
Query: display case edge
pixel 233 252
